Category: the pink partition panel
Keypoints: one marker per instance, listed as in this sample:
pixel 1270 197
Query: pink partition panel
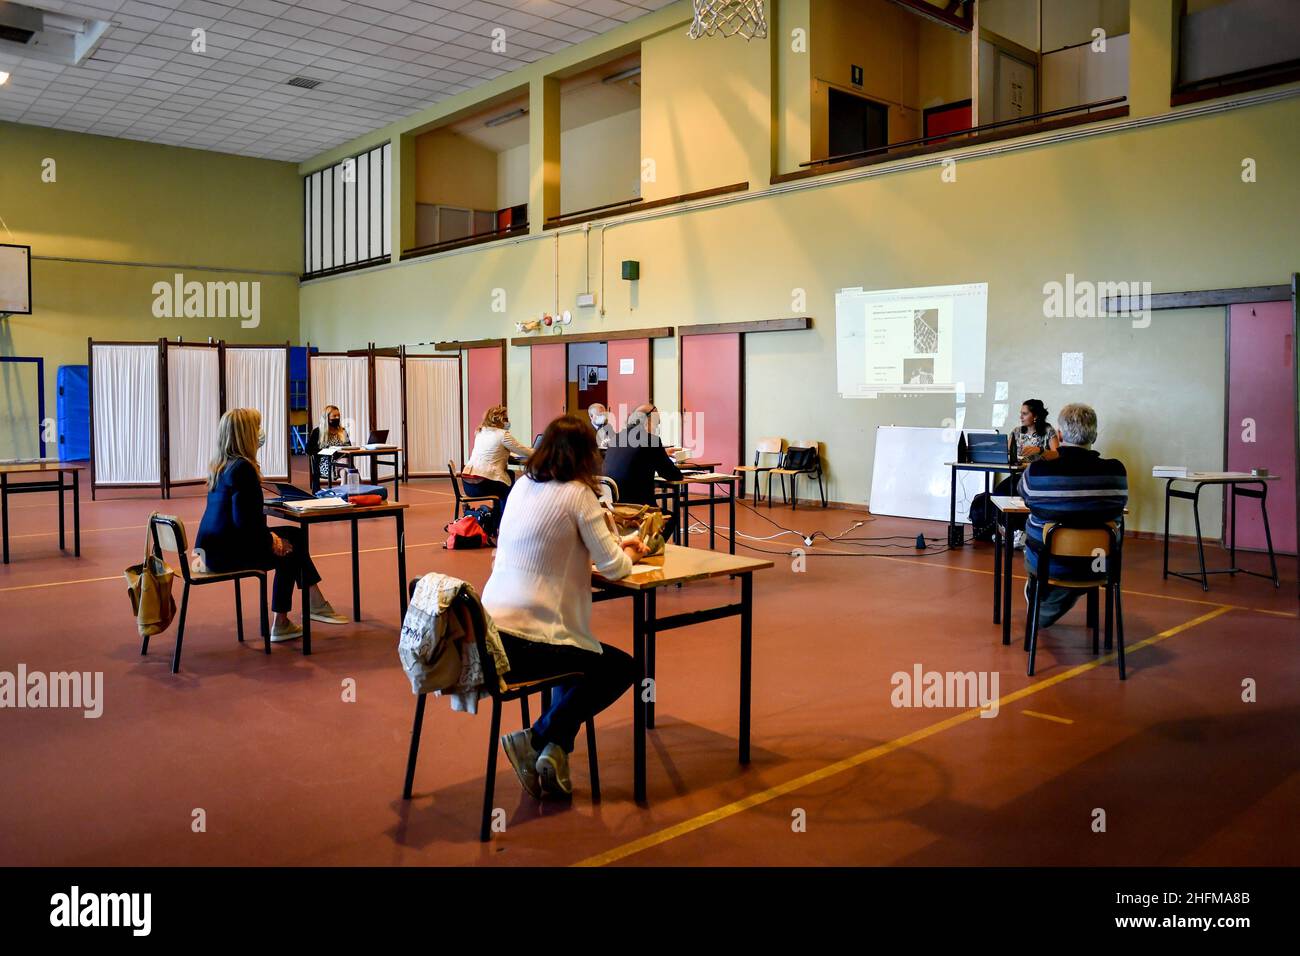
pixel 549 386
pixel 632 388
pixel 483 384
pixel 711 397
pixel 1261 392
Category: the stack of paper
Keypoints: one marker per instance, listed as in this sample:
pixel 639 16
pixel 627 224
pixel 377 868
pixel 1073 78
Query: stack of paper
pixel 1169 471
pixel 316 504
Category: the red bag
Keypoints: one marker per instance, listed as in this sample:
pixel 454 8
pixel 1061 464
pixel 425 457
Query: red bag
pixel 466 532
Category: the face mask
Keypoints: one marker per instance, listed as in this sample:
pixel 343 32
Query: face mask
pixel 335 422
pixel 598 420
pixel 261 439
pixel 506 424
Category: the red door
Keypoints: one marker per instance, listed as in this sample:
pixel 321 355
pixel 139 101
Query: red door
pixel 549 386
pixel 484 384
pixel 1261 417
pixel 629 377
pixel 711 399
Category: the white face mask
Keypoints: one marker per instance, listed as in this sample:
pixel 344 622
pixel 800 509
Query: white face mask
pixel 598 420
pixel 261 439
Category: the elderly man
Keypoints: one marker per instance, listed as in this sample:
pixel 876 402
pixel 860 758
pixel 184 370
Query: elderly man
pixel 636 455
pixel 1077 487
pixel 600 421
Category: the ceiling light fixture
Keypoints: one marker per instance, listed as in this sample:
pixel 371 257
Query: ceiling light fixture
pixel 507 117
pixel 624 75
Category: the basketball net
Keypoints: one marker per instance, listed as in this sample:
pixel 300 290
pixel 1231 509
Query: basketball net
pixel 729 18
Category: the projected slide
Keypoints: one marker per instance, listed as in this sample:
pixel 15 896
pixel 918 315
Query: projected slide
pixel 911 340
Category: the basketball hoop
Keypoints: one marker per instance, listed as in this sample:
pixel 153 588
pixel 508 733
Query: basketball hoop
pixel 729 18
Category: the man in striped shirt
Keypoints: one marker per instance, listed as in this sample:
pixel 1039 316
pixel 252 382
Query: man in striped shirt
pixel 1077 487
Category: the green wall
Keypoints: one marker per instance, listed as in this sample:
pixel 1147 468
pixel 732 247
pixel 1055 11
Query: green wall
pixel 1122 205
pixel 120 216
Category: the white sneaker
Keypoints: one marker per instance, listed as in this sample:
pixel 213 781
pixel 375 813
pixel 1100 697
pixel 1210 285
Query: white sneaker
pixel 324 613
pixel 1018 541
pixel 285 632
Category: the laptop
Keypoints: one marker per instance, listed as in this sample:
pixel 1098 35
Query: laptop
pixel 286 492
pixel 988 448
pixel 378 436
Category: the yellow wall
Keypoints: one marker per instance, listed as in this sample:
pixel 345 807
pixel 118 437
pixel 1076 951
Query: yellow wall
pixel 454 171
pixel 792 105
pixel 131 214
pixel 705 112
pixel 601 164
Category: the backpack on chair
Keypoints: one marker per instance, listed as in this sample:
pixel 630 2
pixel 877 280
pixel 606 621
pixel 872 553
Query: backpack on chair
pixel 983 518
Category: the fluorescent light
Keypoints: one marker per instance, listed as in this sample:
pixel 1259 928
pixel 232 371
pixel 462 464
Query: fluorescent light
pixel 624 75
pixel 507 117
pixel 4 77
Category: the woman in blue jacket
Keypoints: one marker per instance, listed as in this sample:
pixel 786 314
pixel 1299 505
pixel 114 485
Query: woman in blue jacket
pixel 233 534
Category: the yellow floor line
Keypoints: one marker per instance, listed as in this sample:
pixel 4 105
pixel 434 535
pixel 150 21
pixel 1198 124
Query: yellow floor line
pixel 874 753
pixel 54 534
pixel 55 584
pixel 1042 716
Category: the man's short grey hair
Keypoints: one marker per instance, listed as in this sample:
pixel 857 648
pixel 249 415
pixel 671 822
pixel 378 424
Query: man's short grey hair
pixel 1077 424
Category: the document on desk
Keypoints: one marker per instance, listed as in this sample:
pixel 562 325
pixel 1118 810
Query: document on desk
pixel 316 504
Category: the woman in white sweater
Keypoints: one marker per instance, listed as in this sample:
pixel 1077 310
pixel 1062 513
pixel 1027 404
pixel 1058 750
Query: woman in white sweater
pixel 487 472
pixel 539 594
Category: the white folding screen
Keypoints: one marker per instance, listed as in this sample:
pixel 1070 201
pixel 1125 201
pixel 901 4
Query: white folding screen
pixel 256 378
pixel 344 381
pixel 388 399
pixel 193 410
pixel 432 413
pixel 126 418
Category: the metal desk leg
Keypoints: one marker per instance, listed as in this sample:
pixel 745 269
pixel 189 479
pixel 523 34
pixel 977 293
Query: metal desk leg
pixel 731 515
pixel 76 514
pixel 397 481
pixel 650 612
pixel 306 595
pixel 684 513
pixel 4 514
pixel 63 542
pixel 1200 542
pixel 1169 484
pixel 713 497
pixel 955 534
pixel 746 658
pixel 1008 555
pixel 638 708
pixel 997 577
pixel 1268 535
pixel 356 575
pixel 1232 526
pixel 401 562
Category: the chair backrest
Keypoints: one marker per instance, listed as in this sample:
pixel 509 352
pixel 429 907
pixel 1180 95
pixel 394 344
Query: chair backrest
pixel 490 680
pixel 770 446
pixel 611 487
pixel 1065 541
pixel 802 454
pixel 454 473
pixel 169 535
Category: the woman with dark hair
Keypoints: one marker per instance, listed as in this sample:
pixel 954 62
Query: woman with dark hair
pixel 539 594
pixel 1035 437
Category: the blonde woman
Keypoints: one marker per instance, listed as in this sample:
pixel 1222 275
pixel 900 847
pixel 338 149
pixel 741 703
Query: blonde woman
pixel 486 472
pixel 330 433
pixel 233 534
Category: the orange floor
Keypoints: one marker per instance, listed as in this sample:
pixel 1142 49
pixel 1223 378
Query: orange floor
pixel 287 772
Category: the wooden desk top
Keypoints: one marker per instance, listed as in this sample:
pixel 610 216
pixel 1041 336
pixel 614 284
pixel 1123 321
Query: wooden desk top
pixel 358 450
pixel 1219 477
pixel 677 565
pixel 34 467
pixel 1013 504
pixel 692 463
pixel 388 508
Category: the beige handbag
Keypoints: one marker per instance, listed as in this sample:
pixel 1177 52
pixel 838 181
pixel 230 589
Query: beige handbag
pixel 149 585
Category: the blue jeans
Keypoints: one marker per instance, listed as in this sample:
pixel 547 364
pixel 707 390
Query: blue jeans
pixel 1056 602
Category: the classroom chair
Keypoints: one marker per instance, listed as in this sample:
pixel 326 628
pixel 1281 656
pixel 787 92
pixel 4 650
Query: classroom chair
pixel 1080 542
pixel 801 458
pixel 765 446
pixel 168 534
pixel 465 502
pixel 519 692
pixel 609 494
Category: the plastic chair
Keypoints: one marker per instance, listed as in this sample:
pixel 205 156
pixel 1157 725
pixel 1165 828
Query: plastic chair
pixel 465 502
pixel 765 446
pixel 168 534
pixel 1080 542
pixel 519 692
pixel 801 458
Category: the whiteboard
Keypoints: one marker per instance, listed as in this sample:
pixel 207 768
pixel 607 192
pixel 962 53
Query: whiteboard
pixel 15 279
pixel 909 478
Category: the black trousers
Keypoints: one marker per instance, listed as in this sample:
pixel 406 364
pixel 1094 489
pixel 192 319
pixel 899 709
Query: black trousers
pixel 288 568
pixel 603 679
pixel 487 486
